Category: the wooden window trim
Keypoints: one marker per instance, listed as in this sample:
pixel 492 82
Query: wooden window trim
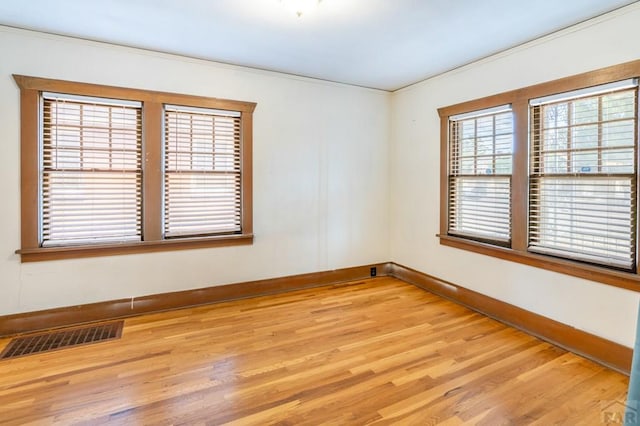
pixel 30 90
pixel 519 100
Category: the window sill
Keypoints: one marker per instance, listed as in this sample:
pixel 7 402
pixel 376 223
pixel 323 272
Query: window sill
pixel 626 280
pixel 70 252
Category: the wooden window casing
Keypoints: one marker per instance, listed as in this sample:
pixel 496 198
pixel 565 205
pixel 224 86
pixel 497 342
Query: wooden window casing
pixel 520 250
pixel 152 236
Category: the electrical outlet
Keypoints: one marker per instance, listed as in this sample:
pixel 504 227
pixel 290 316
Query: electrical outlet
pixel 374 271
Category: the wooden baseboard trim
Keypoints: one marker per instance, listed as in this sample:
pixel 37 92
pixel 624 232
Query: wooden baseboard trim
pixel 74 315
pixel 610 354
pixel 603 351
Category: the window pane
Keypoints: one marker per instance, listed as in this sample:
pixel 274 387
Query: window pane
pixel 586 219
pixel 585 111
pixel 91 172
pixel 584 137
pixel 618 161
pixel 467 166
pixel 90 207
pixel 485 126
pixel 481 207
pixel 583 175
pixel 556 115
pixel 618 133
pixel 503 165
pixel 555 139
pixel 484 145
pixel 584 162
pixel 504 124
pixel 480 185
pixel 555 162
pixel 504 144
pixel 468 147
pixel 202 203
pixel 618 106
pixel 468 129
pixel 202 173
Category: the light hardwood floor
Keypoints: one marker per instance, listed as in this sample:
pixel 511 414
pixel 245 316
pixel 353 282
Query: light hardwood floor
pixel 378 351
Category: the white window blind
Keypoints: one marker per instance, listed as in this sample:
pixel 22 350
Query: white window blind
pixel 583 194
pixel 202 173
pixel 90 170
pixel 480 162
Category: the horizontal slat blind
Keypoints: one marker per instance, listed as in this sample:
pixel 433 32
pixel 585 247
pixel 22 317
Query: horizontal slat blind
pixel 202 172
pixel 90 171
pixel 583 195
pixel 480 162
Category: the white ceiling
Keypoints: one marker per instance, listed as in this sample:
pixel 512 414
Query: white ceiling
pixel 383 44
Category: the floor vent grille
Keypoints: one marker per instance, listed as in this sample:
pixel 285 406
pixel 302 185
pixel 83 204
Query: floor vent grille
pixel 60 339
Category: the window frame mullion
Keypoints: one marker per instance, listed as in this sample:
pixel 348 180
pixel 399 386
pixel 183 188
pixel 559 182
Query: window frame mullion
pixel 152 170
pixel 520 181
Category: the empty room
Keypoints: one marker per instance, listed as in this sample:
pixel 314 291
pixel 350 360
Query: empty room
pixel 305 212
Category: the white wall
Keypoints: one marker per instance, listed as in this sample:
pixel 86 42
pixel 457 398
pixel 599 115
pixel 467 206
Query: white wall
pixel 320 175
pixel 415 148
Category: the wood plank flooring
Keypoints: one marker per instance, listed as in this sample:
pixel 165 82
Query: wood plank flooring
pixel 378 351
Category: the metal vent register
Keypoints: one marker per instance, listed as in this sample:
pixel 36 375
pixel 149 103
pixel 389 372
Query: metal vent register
pixel 60 339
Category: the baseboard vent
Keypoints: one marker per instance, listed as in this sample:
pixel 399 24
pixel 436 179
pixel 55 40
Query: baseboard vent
pixel 61 339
